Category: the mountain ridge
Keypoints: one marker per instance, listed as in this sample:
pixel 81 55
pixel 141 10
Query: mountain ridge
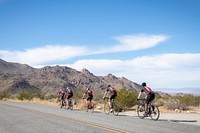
pixel 15 77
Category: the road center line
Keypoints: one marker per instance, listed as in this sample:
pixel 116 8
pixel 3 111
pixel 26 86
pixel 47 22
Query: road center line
pixel 73 120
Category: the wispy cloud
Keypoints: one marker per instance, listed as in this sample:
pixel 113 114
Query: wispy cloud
pixel 166 70
pixel 134 42
pixel 44 54
pixel 53 53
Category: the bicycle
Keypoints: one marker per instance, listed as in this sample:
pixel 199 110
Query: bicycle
pixel 89 107
pixel 70 105
pixel 114 106
pixel 153 111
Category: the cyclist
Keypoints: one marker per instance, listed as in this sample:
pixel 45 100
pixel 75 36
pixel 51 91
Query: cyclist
pixel 89 98
pixel 69 94
pixel 62 95
pixel 113 94
pixel 149 96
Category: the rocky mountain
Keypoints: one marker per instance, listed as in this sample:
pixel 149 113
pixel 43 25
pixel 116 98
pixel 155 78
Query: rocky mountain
pixel 15 77
pixel 163 94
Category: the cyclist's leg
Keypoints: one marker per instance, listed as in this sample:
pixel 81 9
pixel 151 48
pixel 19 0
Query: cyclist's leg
pixel 112 97
pixel 110 101
pixel 69 100
pixel 148 100
pixel 62 102
pixel 87 102
pixel 152 97
pixel 90 104
pixel 146 104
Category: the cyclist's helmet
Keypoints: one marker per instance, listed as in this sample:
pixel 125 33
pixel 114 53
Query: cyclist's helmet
pixel 144 84
pixel 88 89
pixel 109 86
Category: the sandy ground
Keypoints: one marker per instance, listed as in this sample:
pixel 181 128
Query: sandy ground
pixel 187 118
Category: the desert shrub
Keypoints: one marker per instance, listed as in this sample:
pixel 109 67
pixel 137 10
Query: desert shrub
pixel 173 106
pixel 159 102
pixel 196 101
pixel 28 95
pixel 49 97
pixel 125 98
pixel 78 93
pixel 4 95
pixel 188 100
pixel 23 96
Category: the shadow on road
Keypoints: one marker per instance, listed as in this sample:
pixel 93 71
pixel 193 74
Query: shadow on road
pixel 183 120
pixel 178 120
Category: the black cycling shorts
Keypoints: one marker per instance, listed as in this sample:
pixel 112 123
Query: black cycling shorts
pixel 89 98
pixel 150 97
pixel 70 96
pixel 112 97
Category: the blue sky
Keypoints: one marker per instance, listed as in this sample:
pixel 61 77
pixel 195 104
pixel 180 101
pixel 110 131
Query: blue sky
pixel 155 41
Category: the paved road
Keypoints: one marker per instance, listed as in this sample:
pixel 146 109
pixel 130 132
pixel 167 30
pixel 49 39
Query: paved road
pixel 20 117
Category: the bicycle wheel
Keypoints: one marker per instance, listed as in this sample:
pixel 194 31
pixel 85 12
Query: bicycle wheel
pixel 116 109
pixel 107 108
pixel 154 113
pixel 141 111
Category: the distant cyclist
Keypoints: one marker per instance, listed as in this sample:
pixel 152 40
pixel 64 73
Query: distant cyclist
pixel 89 98
pixel 69 94
pixel 149 96
pixel 62 95
pixel 113 94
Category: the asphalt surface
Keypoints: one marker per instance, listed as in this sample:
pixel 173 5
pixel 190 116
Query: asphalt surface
pixel 20 117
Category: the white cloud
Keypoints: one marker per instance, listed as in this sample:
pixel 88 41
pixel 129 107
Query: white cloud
pixel 53 53
pixel 44 54
pixel 166 70
pixel 135 42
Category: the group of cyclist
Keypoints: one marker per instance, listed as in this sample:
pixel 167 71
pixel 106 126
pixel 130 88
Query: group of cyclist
pixel 88 95
pixel 65 94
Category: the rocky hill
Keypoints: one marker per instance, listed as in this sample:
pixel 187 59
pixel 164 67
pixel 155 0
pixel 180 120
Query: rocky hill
pixel 15 77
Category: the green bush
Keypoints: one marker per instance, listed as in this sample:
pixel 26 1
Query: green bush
pixel 188 100
pixel 4 95
pixel 125 98
pixel 196 101
pixel 49 97
pixel 78 93
pixel 28 95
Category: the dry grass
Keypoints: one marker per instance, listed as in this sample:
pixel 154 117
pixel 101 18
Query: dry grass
pixel 37 100
pixel 80 104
